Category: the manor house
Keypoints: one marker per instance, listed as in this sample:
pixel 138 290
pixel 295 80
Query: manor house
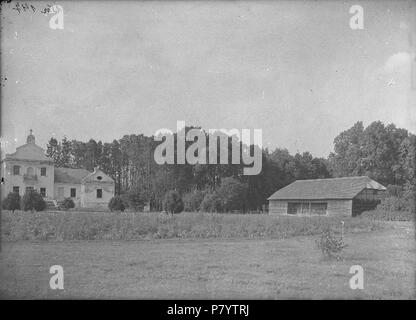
pixel 29 168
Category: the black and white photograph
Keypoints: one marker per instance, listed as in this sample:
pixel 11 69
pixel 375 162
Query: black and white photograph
pixel 208 150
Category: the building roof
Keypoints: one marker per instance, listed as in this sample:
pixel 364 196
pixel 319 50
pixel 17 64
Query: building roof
pixel 97 176
pixel 335 188
pixel 30 151
pixel 68 175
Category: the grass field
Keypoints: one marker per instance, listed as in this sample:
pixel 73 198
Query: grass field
pixel 213 268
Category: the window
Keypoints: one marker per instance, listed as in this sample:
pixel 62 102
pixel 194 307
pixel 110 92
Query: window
pixel 319 207
pixel 29 189
pixel 73 192
pixel 294 208
pixel 100 178
pixel 16 170
pixel 99 193
pixel 16 189
pixel 43 192
pixel 43 172
pixel 307 208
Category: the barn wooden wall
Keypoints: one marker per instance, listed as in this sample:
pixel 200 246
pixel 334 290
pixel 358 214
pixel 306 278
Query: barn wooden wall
pixel 335 207
pixel 339 207
pixel 277 207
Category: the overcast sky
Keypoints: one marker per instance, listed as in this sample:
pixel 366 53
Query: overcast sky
pixel 294 69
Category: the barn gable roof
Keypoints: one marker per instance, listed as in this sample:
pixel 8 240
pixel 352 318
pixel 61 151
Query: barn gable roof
pixel 335 188
pixel 97 176
pixel 69 175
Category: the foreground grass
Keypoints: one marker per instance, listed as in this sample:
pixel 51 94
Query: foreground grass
pixel 213 268
pixel 61 226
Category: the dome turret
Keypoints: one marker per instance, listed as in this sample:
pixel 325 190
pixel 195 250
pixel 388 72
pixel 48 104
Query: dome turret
pixel 30 138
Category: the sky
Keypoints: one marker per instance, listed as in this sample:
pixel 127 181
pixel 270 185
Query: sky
pixel 294 69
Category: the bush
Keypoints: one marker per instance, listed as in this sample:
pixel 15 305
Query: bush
pixel 125 198
pixel 116 204
pixel 329 244
pixel 192 200
pixel 173 202
pixel 32 200
pixel 233 193
pixel 11 202
pixel 393 190
pixel 393 204
pixel 389 215
pixel 134 199
pixel 68 203
pixel 397 198
pixel 212 202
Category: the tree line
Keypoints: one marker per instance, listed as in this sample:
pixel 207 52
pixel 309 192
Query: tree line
pixel 383 152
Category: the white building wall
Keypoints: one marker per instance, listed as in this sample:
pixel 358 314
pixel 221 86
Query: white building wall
pixel 89 197
pixel 22 180
pixel 66 192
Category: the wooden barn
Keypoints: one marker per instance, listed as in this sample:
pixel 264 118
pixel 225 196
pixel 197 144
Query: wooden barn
pixel 338 196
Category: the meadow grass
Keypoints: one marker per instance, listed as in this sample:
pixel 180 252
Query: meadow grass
pixel 212 268
pixel 73 225
pixel 201 255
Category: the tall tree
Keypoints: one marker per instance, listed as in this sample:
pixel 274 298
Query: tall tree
pixel 65 154
pixel 53 150
pixel 373 151
pixel 408 167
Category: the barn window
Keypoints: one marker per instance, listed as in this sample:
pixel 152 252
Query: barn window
pixel 319 207
pixel 294 207
pixel 307 208
pixel 99 193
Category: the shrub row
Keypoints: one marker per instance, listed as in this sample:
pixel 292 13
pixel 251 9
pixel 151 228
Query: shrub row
pixel 31 200
pixel 230 196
